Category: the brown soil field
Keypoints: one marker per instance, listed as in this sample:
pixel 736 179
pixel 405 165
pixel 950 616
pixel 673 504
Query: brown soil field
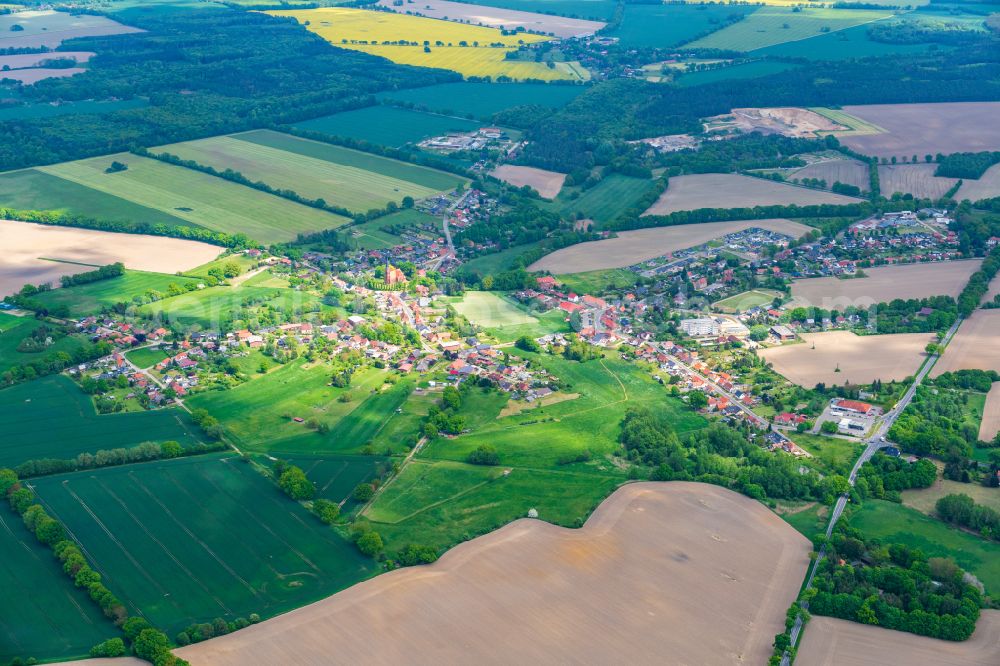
pixel 682 573
pixel 546 183
pixel 917 179
pixel 728 190
pixel 26 247
pixel 921 129
pixel 849 172
pixel 787 121
pixel 884 283
pixel 30 76
pixel 632 247
pixel 38 59
pixel 861 358
pixel 976 346
pixel 990 425
pixel 56 30
pixel 495 17
pixel 829 641
pixel 986 187
pixel 117 661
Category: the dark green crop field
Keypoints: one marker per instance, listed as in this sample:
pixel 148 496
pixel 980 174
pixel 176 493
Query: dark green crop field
pixel 41 614
pixel 672 25
pixel 52 418
pixel 482 100
pixel 387 125
pixel 194 539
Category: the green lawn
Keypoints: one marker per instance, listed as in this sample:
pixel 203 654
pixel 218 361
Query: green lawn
pixel 192 539
pixel 492 310
pixel 605 201
pixel 776 25
pixel 42 614
pixel 747 300
pixel 381 232
pixel 197 198
pixel 498 261
pixel 835 455
pixel 482 100
pixel 52 418
pixel 387 125
pixel 749 70
pixel 595 282
pixel 553 321
pixel 31 189
pixel 893 523
pixel 809 519
pixel 259 414
pixel 147 357
pixel 85 299
pixel 670 25
pixel 14 329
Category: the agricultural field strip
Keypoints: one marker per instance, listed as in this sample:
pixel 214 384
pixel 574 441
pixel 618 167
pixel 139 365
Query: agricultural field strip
pixel 203 200
pixel 353 188
pixel 496 17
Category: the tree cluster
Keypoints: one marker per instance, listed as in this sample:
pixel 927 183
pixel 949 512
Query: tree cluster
pixel 960 509
pixel 883 476
pixel 103 273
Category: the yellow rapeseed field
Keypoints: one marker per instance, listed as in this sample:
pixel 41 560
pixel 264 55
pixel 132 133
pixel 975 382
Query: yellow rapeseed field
pixel 467 49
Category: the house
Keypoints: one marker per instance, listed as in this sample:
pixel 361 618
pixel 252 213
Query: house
pixel 547 283
pixel 782 332
pixel 853 406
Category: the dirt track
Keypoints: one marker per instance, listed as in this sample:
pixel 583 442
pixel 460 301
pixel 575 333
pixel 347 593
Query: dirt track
pixel 632 247
pixel 885 283
pixel 829 641
pixel 976 346
pixel 861 358
pixel 26 247
pixel 683 573
pixel 546 183
pixel 729 190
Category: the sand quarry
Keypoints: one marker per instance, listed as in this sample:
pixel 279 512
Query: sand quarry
pixel 860 358
pixel 885 283
pixel 632 247
pixel 921 129
pixel 36 253
pixel 787 121
pixel 546 183
pixel 495 17
pixel 829 641
pixel 678 572
pixel 976 346
pixel 729 190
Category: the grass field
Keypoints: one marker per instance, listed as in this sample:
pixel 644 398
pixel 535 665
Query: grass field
pixel 497 261
pixel 440 500
pixel 387 125
pixel 895 523
pixel 851 42
pixel 749 70
pixel 31 189
pixel 924 499
pixel 467 49
pixel 835 455
pixel 776 25
pixel 52 418
pixel 198 538
pixel 200 199
pixel 336 476
pixel 90 298
pixel 377 233
pixel 747 300
pixel 482 100
pixel 258 414
pixel 594 282
pixel 490 310
pixel 207 308
pixel 14 329
pixel 606 200
pixel 41 614
pixel 809 519
pixel 146 357
pixel 349 178
pixel 663 26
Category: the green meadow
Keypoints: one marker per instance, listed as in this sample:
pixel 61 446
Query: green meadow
pixel 749 70
pixel 387 125
pixel 650 26
pixel 193 539
pixel 382 232
pixel 605 201
pixel 84 299
pixel 15 329
pixel 52 418
pixel 245 305
pixel 42 615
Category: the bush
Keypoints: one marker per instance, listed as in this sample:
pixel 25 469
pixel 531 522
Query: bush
pixel 295 484
pixel 113 647
pixel 484 455
pixel 370 543
pixel 363 492
pixel 326 510
pixel 412 554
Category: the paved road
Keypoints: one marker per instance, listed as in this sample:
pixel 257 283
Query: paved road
pixel 875 442
pixel 760 421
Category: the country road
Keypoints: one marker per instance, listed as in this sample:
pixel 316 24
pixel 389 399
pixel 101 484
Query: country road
pixel 874 443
